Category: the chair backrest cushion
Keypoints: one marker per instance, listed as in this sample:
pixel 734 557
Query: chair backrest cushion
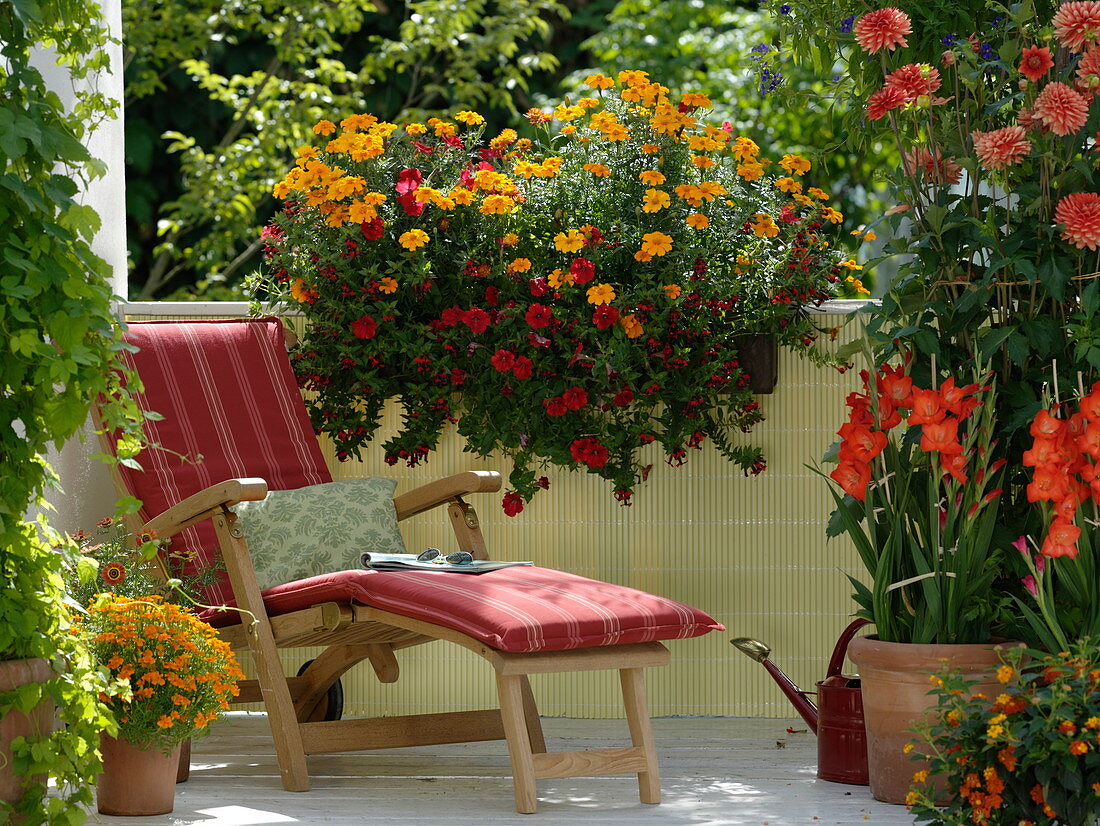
pixel 320 529
pixel 231 408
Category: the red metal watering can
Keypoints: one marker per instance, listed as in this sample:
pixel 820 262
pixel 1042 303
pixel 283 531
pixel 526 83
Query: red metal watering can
pixel 837 719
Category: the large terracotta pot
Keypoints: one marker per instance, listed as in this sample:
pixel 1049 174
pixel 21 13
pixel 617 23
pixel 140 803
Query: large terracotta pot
pixel 136 781
pixel 40 721
pixel 895 681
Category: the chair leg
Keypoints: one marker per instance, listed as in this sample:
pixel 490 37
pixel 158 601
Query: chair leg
pixel 641 731
pixel 510 691
pixel 531 715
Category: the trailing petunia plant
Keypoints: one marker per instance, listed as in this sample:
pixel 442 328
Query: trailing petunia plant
pixel 567 300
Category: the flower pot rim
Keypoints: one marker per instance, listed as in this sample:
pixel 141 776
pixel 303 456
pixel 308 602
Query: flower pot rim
pixel 871 642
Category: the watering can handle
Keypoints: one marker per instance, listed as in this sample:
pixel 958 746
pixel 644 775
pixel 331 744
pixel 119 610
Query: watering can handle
pixel 836 662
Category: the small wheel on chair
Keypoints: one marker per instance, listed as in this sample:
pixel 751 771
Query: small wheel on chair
pixel 331 706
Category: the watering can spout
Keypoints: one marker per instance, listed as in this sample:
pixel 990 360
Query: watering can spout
pixel 758 651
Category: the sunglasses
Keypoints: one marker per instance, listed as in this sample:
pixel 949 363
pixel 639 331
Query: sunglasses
pixel 435 555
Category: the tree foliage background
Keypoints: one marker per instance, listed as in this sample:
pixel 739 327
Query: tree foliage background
pixel 219 95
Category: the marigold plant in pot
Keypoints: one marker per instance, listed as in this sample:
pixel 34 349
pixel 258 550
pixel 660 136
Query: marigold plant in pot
pixel 568 300
pixel 919 503
pixel 175 676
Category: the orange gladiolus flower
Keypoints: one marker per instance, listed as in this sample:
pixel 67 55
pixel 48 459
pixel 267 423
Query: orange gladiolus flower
pixel 926 407
pixel 1061 540
pixel 941 436
pixel 853 477
pixel 860 444
pixel 1048 485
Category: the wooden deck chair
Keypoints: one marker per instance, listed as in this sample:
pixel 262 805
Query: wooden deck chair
pixel 235 428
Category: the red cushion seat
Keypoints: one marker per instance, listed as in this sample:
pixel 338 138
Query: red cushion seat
pixel 516 609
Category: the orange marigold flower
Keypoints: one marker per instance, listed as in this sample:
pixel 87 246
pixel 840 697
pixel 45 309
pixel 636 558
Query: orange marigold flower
pixel 387 285
pixel 883 29
pixel 656 243
pixel 324 127
pixel 413 239
pixel 1060 107
pixel 601 294
pixel 631 326
pixel 1080 213
pixel 672 291
pixel 1001 147
pixel 698 220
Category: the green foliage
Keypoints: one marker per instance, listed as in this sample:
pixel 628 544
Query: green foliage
pixel 566 303
pixel 1028 755
pixel 60 339
pixel 269 69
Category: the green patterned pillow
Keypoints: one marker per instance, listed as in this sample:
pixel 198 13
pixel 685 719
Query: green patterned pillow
pixel 320 529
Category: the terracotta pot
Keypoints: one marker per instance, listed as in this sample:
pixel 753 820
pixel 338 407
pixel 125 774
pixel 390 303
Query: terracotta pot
pixel 40 721
pixel 136 781
pixel 895 682
pixel 184 770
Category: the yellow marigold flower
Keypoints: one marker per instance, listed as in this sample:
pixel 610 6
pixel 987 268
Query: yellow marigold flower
pixel 820 194
pixel 617 132
pixel 413 239
pixel 519 265
pixel 672 291
pixel 469 118
pixel 416 129
pixel 652 177
pixel 788 185
pixel 346 187
pixel 570 241
pixel 509 240
pixel 795 164
pixel 358 123
pixel 650 148
pixel 702 161
pixel 833 215
pixel 556 279
pixel 745 261
pixel 597 169
pixel 708 190
pixel 281 189
pixel 656 243
pixel 338 217
pixel 360 211
pixel 461 195
pixel 496 205
pixel 442 129
pixel 655 200
pixel 869 236
pixel 696 99
pixel 588 103
pixel 698 220
pixel 568 129
pixel 324 127
pixel 631 326
pixel 387 285
pixel 764 227
pixel 506 138
pixel 744 149
pixel 598 81
pixel 751 171
pixel 525 169
pixel 633 77
pixel 850 264
pixel 600 294
pixel 643 256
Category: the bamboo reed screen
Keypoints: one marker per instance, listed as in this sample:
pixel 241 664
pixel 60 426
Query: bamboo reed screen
pixel 750 551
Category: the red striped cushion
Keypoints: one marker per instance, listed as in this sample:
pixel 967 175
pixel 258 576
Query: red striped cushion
pixel 513 609
pixel 231 405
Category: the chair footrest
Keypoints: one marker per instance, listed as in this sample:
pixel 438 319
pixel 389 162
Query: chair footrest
pixel 590 762
pixel 408 730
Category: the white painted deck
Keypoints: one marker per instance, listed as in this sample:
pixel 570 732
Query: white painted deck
pixel 715 771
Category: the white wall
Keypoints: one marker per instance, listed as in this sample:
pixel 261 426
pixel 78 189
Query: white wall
pixel 86 494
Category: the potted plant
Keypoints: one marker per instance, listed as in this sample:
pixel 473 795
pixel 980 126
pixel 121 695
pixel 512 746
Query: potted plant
pixel 916 487
pixel 1025 752
pixel 567 299
pixel 173 676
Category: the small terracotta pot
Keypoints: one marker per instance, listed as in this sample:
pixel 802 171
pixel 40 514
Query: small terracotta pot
pixel 184 770
pixel 895 682
pixel 136 781
pixel 40 721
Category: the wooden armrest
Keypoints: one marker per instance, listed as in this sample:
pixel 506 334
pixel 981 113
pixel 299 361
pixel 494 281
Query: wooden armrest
pixel 443 490
pixel 199 506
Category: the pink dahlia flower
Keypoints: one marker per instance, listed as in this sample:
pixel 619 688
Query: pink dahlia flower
pixel 1088 72
pixel 933 166
pixel 1077 24
pixel 915 80
pixel 1001 147
pixel 885 99
pixel 882 29
pixel 1080 212
pixel 1061 108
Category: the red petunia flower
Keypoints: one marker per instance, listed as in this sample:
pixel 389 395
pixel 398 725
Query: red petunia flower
pixel 605 316
pixel 512 504
pixel 555 407
pixel 364 327
pixel 1036 62
pixel 523 368
pixel 503 361
pixel 476 319
pixel 623 397
pixel 882 29
pixel 538 316
pixel 583 270
pixel 372 230
pixel 884 100
pixel 1077 24
pixel 575 398
pixel 1080 212
pixel 1061 108
pixel 1001 147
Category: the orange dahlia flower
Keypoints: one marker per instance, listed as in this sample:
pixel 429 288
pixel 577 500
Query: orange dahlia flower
pixel 1001 147
pixel 934 168
pixel 1061 108
pixel 1080 212
pixel 883 29
pixel 915 79
pixel 885 99
pixel 1077 24
pixel 1036 62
